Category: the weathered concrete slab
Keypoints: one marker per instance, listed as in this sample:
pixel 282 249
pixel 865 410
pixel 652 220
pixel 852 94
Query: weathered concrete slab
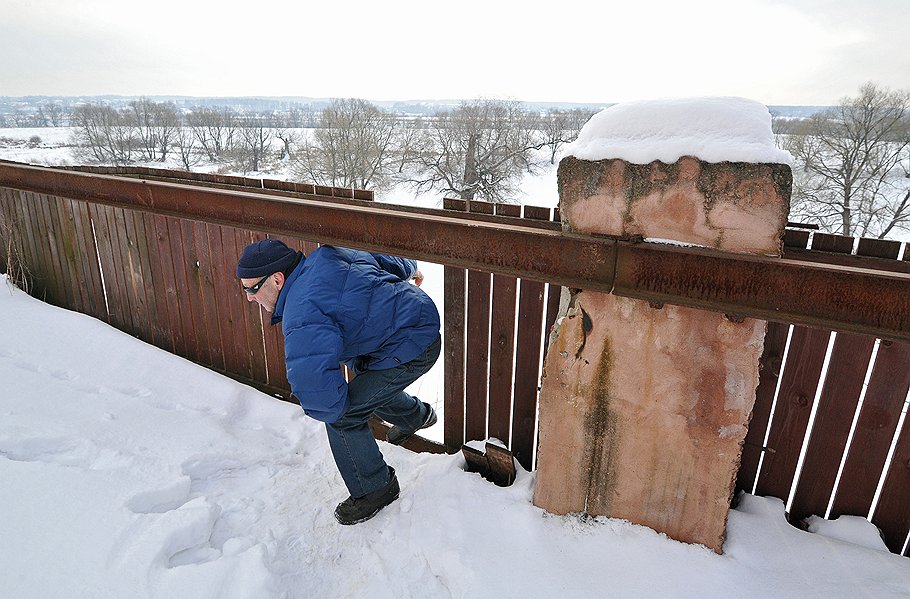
pixel 644 409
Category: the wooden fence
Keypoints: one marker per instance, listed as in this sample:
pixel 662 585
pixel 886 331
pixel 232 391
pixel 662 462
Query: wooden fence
pixel 857 408
pixel 170 282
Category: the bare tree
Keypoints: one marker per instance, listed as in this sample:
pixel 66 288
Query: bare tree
pixel 215 130
pixel 353 146
pixel 289 139
pixel 51 114
pixel 104 134
pixel 479 149
pixel 559 127
pixel 852 164
pixel 254 142
pixel 185 144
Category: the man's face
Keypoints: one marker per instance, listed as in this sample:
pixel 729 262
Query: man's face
pixel 267 295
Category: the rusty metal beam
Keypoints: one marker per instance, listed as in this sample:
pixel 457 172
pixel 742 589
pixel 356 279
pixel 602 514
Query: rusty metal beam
pixel 794 291
pixel 838 297
pixel 433 235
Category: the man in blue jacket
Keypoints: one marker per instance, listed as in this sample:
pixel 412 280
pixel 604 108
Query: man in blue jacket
pixel 336 306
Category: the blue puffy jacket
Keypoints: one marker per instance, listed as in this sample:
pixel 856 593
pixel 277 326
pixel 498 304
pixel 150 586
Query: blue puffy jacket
pixel 343 305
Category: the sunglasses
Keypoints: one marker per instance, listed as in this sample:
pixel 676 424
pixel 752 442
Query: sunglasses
pixel 254 289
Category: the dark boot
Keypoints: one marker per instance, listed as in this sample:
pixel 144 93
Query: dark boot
pixel 354 510
pixel 396 436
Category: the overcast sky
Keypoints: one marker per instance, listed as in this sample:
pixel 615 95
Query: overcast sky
pixel 776 52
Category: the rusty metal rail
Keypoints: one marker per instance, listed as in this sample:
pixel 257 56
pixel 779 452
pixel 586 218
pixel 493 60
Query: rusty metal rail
pixel 842 298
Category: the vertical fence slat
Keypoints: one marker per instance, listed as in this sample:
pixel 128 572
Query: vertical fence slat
pixel 192 266
pixel 206 275
pixel 477 346
pixel 834 417
pixel 770 366
pixel 230 300
pixel 892 513
pixel 837 405
pixel 6 236
pixel 875 427
pixel 57 280
pixel 29 257
pixel 108 253
pixel 454 299
pixel 142 303
pixel 43 252
pixel 85 240
pixel 148 279
pixel 527 360
pixel 226 290
pixel 74 258
pixel 172 303
pixel 502 346
pixel 123 251
pixel 62 237
pixel 791 414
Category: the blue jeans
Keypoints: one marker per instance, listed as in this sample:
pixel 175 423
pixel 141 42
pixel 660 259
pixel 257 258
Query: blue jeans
pixel 379 392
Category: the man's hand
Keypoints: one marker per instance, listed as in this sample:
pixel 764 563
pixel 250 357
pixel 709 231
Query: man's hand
pixel 417 278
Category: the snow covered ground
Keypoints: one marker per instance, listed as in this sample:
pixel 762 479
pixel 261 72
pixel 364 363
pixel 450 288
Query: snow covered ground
pixel 130 472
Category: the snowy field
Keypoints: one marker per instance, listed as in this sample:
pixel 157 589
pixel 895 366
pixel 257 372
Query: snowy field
pixel 129 472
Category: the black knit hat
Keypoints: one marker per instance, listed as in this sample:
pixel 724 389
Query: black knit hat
pixel 263 258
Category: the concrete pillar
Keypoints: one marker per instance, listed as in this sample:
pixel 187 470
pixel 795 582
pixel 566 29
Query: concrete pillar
pixel 644 409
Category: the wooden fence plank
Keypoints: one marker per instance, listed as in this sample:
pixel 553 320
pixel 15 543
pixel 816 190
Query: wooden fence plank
pixel 58 229
pixel 230 300
pixel 206 275
pixel 6 234
pixel 792 410
pixel 454 298
pixel 831 429
pixel 31 257
pixel 875 428
pixel 141 304
pixel 502 346
pixel 58 280
pixel 109 257
pixel 826 242
pixel 125 259
pixel 72 254
pixel 155 313
pixel 181 286
pixel 477 350
pixel 837 406
pixel 477 345
pixel 85 239
pixel 770 363
pixel 453 334
pixel 35 204
pixel 527 360
pixel 892 513
pixel 192 264
pixel 173 297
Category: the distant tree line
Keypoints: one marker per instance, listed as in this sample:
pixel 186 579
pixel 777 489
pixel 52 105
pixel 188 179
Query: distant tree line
pixel 479 149
pixel 851 171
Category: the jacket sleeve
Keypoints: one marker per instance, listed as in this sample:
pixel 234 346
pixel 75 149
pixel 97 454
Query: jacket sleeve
pixel 403 268
pixel 312 354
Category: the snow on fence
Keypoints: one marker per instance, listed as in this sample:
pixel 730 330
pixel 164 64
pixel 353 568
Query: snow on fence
pixel 828 432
